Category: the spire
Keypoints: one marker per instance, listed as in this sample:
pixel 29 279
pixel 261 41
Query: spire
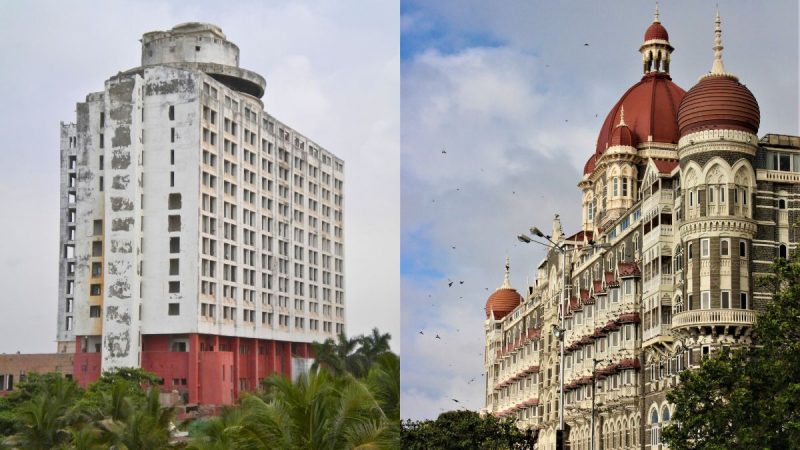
pixel 506 280
pixel 557 233
pixel 655 16
pixel 718 68
pixel 622 114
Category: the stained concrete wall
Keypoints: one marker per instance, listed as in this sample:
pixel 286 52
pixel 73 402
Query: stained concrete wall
pixel 122 226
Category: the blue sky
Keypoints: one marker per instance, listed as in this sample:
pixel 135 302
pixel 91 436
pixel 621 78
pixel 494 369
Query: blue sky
pixel 513 94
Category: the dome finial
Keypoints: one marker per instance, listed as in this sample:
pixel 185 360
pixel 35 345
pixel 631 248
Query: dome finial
pixel 718 68
pixel 506 280
pixel 622 117
pixel 656 18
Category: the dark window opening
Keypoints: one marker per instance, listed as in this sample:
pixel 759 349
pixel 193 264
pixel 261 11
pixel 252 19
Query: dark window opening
pixel 95 289
pixel 94 311
pixel 174 267
pixel 174 201
pixel 174 245
pixel 174 288
pixel 174 310
pixel 174 223
pixel 172 113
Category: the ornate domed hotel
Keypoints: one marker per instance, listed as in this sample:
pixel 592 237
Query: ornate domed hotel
pixel 683 206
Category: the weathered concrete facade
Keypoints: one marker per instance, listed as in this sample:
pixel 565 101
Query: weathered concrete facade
pixel 197 229
pixel 682 209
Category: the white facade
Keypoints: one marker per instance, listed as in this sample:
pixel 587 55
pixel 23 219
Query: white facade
pixel 186 208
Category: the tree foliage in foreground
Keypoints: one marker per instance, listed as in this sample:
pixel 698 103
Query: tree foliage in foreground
pixel 462 430
pixel 120 410
pixel 747 398
pixel 349 400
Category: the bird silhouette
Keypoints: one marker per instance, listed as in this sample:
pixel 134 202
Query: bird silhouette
pixel 437 337
pixel 456 401
pixel 586 44
pixel 450 284
pixel 421 332
pixel 460 282
pixel 443 151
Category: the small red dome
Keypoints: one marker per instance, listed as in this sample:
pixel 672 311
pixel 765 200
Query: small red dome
pixel 651 110
pixel 622 136
pixel 656 31
pixel 718 102
pixel 502 302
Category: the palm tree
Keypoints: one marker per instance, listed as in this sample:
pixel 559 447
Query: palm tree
pixel 320 411
pixel 340 357
pixel 219 433
pixel 145 426
pixel 46 416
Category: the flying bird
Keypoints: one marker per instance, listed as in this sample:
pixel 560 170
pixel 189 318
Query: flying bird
pixel 460 282
pixel 420 332
pixel 443 151
pixel 450 284
pixel 437 337
pixel 586 44
pixel 456 401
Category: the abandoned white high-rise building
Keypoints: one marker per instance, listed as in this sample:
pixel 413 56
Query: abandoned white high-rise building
pixel 201 238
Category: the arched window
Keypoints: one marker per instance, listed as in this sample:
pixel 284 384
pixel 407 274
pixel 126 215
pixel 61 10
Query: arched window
pixel 655 437
pixel 665 415
pixel 615 191
pixel 782 251
pixel 781 204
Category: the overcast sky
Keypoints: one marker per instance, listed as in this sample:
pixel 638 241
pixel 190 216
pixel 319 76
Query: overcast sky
pixel 332 71
pixel 516 98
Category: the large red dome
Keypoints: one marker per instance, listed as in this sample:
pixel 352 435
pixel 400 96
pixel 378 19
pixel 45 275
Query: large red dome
pixel 719 101
pixel 502 302
pixel 651 111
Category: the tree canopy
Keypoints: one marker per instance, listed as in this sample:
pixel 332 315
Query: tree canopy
pixel 462 429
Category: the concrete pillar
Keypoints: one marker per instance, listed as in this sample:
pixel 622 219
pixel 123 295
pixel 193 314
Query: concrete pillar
pixel 194 382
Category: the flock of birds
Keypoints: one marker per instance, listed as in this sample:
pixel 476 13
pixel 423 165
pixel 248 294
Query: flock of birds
pixel 451 284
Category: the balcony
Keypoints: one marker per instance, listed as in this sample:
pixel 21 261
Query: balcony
pixel 713 317
pixel 659 330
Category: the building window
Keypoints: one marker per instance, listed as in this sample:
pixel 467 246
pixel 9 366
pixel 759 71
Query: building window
pixel 689 251
pixel 97 248
pixel 743 300
pixel 178 346
pixel 95 289
pixel 742 249
pixel 174 287
pixel 705 248
pixel 782 251
pixel 705 300
pixel 174 267
pixel 725 299
pixel 689 299
pixel 615 191
pixel 174 201
pixel 94 311
pixel 624 186
pixel 69 323
pixel 781 204
pixel 172 112
pixel 724 247
pixel 174 310
pixel 174 245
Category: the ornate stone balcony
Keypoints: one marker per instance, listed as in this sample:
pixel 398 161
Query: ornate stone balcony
pixel 713 317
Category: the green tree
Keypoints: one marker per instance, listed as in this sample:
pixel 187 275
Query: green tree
pixel 374 345
pixel 340 356
pixel 45 418
pixel 747 398
pixel 465 430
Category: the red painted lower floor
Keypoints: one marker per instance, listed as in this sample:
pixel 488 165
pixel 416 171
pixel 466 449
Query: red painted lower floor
pixel 205 369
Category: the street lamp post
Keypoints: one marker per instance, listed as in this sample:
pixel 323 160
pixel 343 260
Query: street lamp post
pixel 558 331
